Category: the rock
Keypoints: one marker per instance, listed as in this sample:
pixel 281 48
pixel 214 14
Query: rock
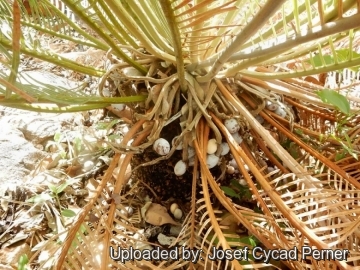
pixel 17 155
pixel 38 130
pixel 36 127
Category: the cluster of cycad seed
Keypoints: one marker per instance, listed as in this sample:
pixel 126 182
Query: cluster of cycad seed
pixel 214 151
pixel 171 175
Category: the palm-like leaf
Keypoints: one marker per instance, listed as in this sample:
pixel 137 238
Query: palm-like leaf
pixel 224 56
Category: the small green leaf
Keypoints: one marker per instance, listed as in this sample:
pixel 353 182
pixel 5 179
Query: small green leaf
pixel 258 210
pixel 230 192
pixel 77 144
pixel 43 197
pixel 240 190
pixel 113 137
pixel 61 187
pixel 349 150
pixel 340 155
pixel 68 213
pixel 252 242
pixel 294 150
pixel 347 138
pixel 249 240
pixel 63 154
pixel 52 188
pixel 107 125
pixel 344 55
pixel 235 183
pixel 334 98
pixel 246 193
pixel 58 189
pixel 286 144
pixel 83 229
pixel 23 260
pixel 317 60
pixel 57 137
pixel 354 155
pixel 101 125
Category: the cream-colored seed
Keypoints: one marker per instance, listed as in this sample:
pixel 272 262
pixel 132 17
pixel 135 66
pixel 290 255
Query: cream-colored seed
pixel 128 211
pixel 212 160
pixel 212 146
pixel 179 146
pixel 237 137
pixel 233 163
pixel 271 106
pixel 180 168
pixel 259 119
pixel 246 167
pixel 173 207
pixel 224 148
pixel 178 213
pixel 131 71
pixel 280 112
pixel 230 169
pixel 243 182
pixel 161 146
pixel 232 125
pixel 191 152
pixel 191 161
pixel 88 165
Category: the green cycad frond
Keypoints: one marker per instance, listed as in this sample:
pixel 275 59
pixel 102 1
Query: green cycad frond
pixel 211 35
pixel 277 42
pixel 223 23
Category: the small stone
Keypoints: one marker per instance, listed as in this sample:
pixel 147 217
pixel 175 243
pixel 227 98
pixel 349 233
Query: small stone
pixel 88 165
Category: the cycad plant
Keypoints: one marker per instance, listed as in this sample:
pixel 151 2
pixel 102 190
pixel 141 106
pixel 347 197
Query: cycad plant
pixel 252 76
